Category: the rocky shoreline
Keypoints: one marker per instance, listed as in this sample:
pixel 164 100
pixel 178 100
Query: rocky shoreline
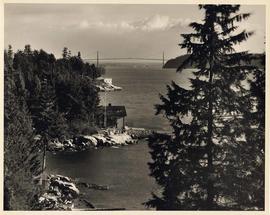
pixel 105 138
pixel 60 193
pixel 64 193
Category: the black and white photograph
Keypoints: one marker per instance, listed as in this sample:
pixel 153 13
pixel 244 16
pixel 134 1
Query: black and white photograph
pixel 134 107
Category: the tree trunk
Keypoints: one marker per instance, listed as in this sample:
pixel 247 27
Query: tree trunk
pixel 210 182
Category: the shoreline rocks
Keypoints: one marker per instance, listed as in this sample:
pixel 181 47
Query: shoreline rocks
pixel 93 186
pixel 139 133
pixel 59 195
pixel 105 138
pixel 63 193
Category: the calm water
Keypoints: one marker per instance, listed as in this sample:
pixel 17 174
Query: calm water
pixel 142 85
pixel 124 169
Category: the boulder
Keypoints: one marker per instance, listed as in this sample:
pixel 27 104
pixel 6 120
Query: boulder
pixel 67 188
pixel 68 143
pixel 120 139
pixel 101 140
pixel 60 177
pixel 55 145
pixel 48 202
pixel 93 141
pixel 60 194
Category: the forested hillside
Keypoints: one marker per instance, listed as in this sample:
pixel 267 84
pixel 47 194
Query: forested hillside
pixel 174 63
pixel 53 98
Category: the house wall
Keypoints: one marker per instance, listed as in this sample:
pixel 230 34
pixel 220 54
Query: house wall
pixel 108 80
pixel 119 123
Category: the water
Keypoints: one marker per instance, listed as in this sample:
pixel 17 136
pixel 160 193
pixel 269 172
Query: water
pixel 142 85
pixel 124 169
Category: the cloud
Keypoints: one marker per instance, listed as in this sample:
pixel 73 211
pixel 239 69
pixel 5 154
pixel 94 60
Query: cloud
pixel 153 23
pixel 158 22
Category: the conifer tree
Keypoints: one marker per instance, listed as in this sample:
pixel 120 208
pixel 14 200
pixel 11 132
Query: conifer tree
pixel 21 153
pixel 252 196
pixel 197 167
pixel 69 54
pixel 51 124
pixel 10 55
pixel 65 53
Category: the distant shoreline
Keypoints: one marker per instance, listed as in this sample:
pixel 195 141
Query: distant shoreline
pixel 174 63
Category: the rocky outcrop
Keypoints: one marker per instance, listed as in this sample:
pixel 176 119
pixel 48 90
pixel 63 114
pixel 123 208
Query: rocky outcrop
pixel 105 84
pixel 59 195
pixel 138 133
pixel 93 186
pixel 114 139
pixel 105 138
pixel 83 143
pixel 75 144
pixel 63 193
pixel 108 87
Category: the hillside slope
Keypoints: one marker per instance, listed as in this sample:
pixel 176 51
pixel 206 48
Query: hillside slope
pixel 174 63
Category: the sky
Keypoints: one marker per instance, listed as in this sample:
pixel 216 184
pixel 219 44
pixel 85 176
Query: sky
pixel 117 30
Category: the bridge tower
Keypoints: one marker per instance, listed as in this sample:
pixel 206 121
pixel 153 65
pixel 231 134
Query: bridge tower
pixel 97 59
pixel 163 60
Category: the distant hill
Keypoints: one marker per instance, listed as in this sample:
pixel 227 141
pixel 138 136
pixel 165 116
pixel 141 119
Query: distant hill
pixel 174 63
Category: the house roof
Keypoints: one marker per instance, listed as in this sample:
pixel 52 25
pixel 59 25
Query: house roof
pixel 113 111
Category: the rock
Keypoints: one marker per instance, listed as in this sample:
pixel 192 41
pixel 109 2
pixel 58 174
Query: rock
pixel 60 194
pixel 68 143
pixel 101 140
pixel 92 140
pixel 37 137
pixel 138 133
pixel 67 188
pixel 48 202
pixel 120 139
pixel 93 186
pixel 55 145
pixel 108 138
pixel 60 177
pixel 88 204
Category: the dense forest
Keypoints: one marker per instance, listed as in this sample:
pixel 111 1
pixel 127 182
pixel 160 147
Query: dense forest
pixel 45 96
pixel 214 160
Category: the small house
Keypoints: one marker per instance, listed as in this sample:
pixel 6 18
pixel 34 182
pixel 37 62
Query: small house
pixel 111 116
pixel 108 81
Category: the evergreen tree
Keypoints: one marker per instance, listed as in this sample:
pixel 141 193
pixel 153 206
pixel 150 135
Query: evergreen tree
pixel 10 55
pixel 69 54
pixel 50 123
pixel 252 196
pixel 27 50
pixel 21 153
pixel 199 166
pixel 65 52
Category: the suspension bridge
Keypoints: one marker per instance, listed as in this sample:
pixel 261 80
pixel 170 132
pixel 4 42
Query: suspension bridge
pixel 98 59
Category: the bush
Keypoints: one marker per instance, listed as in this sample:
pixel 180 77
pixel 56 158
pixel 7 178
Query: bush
pixel 80 127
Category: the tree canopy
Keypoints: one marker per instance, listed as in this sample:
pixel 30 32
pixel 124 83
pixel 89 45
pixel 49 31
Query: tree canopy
pixel 43 96
pixel 209 159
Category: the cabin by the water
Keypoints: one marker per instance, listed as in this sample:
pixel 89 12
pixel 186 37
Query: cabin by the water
pixel 111 116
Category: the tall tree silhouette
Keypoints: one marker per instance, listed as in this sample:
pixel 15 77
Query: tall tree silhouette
pixel 252 196
pixel 197 167
pixel 21 152
pixel 65 52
